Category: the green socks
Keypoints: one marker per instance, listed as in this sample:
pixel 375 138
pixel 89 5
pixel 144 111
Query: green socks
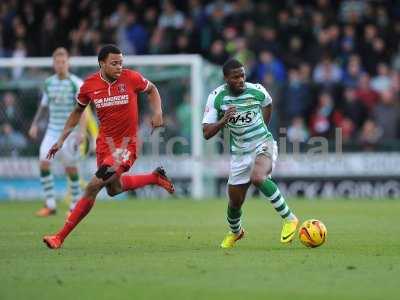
pixel 271 191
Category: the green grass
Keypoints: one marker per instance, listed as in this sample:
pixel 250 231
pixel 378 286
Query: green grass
pixel 169 250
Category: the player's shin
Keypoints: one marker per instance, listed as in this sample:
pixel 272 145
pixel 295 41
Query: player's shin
pixel 46 178
pixel 271 191
pixel 234 219
pixel 75 189
pixel 82 208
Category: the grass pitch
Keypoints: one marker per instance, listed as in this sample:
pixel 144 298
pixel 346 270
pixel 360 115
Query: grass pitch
pixel 169 249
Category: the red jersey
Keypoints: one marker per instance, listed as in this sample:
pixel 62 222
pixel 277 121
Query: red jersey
pixel 116 104
pixel 117 111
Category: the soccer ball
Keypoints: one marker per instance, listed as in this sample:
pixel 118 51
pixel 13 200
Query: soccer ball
pixel 312 233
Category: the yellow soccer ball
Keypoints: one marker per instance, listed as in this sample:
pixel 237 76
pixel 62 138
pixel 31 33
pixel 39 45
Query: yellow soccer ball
pixel 312 233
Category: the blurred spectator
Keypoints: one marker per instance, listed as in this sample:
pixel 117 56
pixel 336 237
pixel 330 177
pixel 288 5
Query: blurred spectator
pixel 275 88
pixel 268 63
pixel 370 135
pixel 267 40
pixel 374 52
pixel 136 34
pixel 48 35
pixel 365 93
pixel 321 123
pixel 387 115
pixel 381 82
pixel 11 141
pixel 353 72
pixel 243 53
pixel 327 73
pixel 395 59
pixel 297 131
pixel 171 17
pixel 217 54
pixel 19 53
pixel 221 6
pixel 348 128
pixel 296 97
pixel 353 109
pixel 9 111
pixel 293 57
pixel 348 44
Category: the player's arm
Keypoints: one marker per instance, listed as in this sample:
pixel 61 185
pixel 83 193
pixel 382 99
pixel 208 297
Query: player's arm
pixel 267 112
pixel 155 105
pixel 43 107
pixel 211 129
pixel 211 124
pixel 72 121
pixel 83 124
pixel 266 104
pixel 33 130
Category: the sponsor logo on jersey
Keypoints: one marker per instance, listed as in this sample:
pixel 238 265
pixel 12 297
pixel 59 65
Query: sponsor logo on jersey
pixel 111 101
pixel 244 118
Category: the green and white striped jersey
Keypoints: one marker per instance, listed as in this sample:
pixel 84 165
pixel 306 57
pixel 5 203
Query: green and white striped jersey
pixel 247 129
pixel 60 96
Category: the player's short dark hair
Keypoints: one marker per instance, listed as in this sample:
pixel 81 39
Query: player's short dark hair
pixel 107 49
pixel 230 65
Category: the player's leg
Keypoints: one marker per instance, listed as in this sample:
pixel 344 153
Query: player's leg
pixel 131 182
pixel 74 185
pixel 103 176
pixel 237 195
pixel 238 183
pixel 46 178
pixel 69 155
pixel 260 178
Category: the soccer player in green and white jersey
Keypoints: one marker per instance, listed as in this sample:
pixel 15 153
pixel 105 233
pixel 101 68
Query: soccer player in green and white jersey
pixel 245 108
pixel 59 97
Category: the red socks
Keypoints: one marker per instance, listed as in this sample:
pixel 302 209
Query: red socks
pixel 131 182
pixel 84 205
pixel 81 209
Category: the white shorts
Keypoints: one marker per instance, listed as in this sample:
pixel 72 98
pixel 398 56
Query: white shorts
pixel 68 154
pixel 242 165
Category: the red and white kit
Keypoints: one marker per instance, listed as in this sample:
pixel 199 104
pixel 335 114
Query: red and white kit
pixel 117 111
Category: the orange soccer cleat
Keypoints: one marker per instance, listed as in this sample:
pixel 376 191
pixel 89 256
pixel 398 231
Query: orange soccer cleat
pixel 163 180
pixel 52 241
pixel 45 212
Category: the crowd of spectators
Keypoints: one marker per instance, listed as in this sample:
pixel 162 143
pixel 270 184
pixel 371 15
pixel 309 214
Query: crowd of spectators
pixel 327 64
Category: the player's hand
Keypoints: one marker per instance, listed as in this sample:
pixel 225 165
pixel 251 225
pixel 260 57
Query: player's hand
pixel 33 131
pixel 156 121
pixel 53 150
pixel 228 114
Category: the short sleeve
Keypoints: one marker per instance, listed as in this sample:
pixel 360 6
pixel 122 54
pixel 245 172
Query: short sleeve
pixel 45 99
pixel 267 98
pixel 82 97
pixel 77 83
pixel 210 113
pixel 140 84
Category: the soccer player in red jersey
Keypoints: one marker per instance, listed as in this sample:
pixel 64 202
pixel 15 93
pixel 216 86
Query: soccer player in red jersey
pixel 113 91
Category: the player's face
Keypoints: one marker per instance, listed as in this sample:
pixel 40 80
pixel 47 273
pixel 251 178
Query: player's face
pixel 112 65
pixel 61 64
pixel 236 79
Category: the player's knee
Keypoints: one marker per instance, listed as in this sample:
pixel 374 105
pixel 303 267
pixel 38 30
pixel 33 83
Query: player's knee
pixel 257 178
pixel 112 191
pixel 105 172
pixel 44 166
